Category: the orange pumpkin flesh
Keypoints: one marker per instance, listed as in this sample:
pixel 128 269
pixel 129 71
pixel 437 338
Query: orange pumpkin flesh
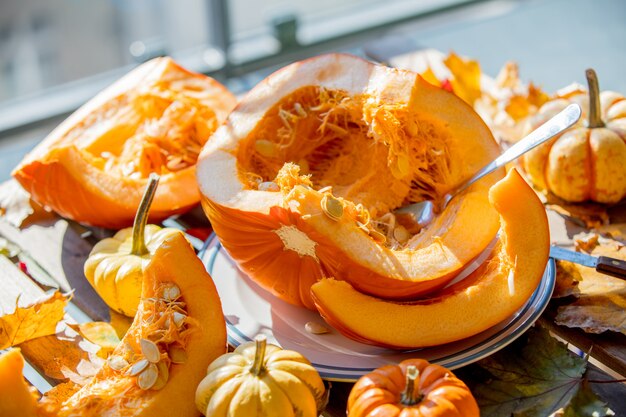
pixel 16 398
pixel 436 392
pixel 94 166
pixel 489 295
pixel 112 392
pixel 381 138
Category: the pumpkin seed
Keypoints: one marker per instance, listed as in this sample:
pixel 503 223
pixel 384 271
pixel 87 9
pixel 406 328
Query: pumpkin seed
pixel 332 207
pixel 177 354
pixel 315 328
pixel 137 367
pixel 171 292
pixel 179 319
pixel 401 234
pixel 117 363
pixel 327 189
pixel 266 148
pixel 164 374
pixel 150 350
pixel 377 236
pixel 362 227
pixel 299 110
pixel 269 186
pixel 148 377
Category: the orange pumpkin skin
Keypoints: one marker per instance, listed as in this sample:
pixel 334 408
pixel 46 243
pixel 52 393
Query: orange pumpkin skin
pixel 378 394
pixel 93 167
pixel 285 242
pixel 490 294
pixel 586 162
pixel 114 393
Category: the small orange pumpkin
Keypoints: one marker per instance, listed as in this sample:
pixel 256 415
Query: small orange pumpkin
pixel 302 181
pixel 413 388
pixel 93 168
pixel 588 161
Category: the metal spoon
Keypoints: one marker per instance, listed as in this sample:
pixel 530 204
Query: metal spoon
pixel 424 211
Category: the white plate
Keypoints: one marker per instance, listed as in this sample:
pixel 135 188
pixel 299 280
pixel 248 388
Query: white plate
pixel 250 310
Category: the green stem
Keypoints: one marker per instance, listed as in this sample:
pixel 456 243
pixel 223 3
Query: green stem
pixel 259 355
pixel 595 114
pixel 408 396
pixel 141 218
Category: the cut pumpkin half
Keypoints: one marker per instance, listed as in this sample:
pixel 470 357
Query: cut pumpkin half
pixel 493 292
pixel 94 166
pixel 302 181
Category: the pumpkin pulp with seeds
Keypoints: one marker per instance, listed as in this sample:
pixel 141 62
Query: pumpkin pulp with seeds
pixel 312 163
pixel 178 330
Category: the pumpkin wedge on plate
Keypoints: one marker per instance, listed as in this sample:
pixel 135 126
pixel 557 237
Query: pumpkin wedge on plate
pixel 93 167
pixel 302 180
pixel 490 294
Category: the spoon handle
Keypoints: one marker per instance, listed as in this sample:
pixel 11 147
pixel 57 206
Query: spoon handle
pixel 564 119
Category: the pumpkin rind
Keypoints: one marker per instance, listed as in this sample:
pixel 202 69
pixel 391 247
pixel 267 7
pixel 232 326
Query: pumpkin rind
pixel 259 380
pixel 585 162
pixel 493 292
pixel 16 399
pixel 93 167
pixel 285 240
pixel 379 393
pixel 113 392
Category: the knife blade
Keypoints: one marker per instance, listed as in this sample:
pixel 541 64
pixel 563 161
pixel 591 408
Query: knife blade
pixel 603 264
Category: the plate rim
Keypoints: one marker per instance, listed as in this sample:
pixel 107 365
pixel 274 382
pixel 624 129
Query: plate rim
pixel 538 301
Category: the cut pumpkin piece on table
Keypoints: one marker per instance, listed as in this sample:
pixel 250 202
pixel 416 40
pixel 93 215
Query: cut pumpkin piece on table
pixel 302 181
pixel 94 166
pixel 494 291
pixel 16 397
pixel 178 331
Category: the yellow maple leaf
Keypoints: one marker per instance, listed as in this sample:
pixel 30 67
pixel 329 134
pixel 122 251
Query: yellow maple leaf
pixel 35 320
pixel 465 77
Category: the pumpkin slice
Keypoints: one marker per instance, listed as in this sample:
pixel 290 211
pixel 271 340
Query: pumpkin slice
pixel 178 331
pixel 489 295
pixel 16 398
pixel 93 168
pixel 302 180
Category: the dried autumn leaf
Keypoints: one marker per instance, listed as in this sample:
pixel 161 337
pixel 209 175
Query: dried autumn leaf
pixel 465 77
pixel 534 376
pixel 586 403
pixel 31 321
pixel 99 333
pixel 601 303
pixel 17 207
pixel 120 323
pixel 567 279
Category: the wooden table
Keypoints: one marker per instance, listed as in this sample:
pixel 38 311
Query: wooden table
pixel 55 249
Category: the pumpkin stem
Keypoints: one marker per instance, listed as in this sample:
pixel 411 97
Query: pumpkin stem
pixel 141 218
pixel 408 396
pixel 259 355
pixel 595 116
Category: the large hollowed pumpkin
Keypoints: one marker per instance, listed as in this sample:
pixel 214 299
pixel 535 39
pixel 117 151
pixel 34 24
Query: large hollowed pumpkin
pixel 178 331
pixel 302 181
pixel 94 166
pixel 493 292
pixel 588 161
